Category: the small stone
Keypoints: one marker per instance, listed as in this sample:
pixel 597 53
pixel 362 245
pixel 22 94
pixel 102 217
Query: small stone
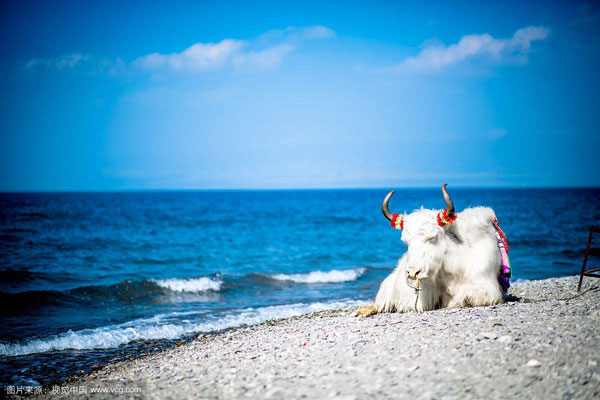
pixel 533 363
pixel 505 339
pixel 274 393
pixel 488 335
pixel 427 396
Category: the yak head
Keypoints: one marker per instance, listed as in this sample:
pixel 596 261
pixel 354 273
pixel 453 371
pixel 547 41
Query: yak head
pixel 427 234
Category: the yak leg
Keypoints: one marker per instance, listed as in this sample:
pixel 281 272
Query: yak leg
pixel 484 294
pixel 366 311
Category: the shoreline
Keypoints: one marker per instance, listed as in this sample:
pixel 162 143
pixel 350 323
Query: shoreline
pixel 541 343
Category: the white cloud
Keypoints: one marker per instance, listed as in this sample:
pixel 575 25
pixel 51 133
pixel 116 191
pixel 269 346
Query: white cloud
pixel 436 57
pixel 522 38
pixel 265 52
pixel 291 34
pixel 68 61
pixel 317 32
pixel 199 56
pixel 270 57
pixel 81 63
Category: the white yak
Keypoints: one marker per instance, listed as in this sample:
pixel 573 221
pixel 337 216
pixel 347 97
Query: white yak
pixel 453 260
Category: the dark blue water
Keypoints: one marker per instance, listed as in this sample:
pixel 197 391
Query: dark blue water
pixel 90 277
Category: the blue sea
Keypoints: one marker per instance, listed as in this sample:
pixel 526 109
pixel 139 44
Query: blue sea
pixel 88 278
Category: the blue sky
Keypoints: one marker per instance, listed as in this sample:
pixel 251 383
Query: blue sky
pixel 212 95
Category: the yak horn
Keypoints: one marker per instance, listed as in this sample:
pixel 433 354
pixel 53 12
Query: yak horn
pixel 384 206
pixel 448 200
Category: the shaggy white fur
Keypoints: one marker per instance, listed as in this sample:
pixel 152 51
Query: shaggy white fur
pixel 457 265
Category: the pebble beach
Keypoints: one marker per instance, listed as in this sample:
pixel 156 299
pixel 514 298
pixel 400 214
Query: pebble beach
pixel 541 343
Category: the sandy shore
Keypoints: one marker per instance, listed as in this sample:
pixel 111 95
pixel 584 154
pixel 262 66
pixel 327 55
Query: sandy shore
pixel 537 346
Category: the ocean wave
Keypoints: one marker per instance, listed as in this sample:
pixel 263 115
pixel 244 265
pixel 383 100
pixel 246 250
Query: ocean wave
pixel 193 285
pixel 333 276
pixel 156 290
pixel 130 291
pixel 152 328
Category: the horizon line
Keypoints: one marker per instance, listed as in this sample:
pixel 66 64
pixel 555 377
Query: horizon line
pixel 155 190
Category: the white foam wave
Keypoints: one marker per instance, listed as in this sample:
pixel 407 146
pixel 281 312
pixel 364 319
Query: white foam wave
pixel 333 276
pixel 148 329
pixel 193 285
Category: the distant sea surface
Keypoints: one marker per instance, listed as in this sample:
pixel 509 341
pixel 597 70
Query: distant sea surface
pixel 86 278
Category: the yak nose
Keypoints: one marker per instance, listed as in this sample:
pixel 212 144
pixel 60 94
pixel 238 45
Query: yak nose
pixel 413 273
